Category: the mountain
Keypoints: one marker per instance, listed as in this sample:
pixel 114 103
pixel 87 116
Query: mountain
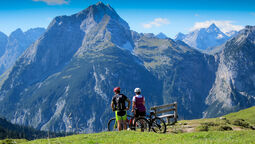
pixel 69 73
pixel 13 46
pixel 181 70
pixel 161 36
pixel 204 38
pixel 64 81
pixel 180 36
pixel 234 86
pixel 3 42
pixel 231 33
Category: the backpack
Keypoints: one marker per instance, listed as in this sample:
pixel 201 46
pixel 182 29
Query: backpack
pixel 120 102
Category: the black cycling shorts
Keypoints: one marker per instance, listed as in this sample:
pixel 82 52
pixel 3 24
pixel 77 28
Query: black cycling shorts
pixel 121 113
pixel 137 113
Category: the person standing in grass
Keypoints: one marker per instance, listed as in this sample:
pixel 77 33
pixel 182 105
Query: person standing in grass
pixel 119 106
pixel 138 104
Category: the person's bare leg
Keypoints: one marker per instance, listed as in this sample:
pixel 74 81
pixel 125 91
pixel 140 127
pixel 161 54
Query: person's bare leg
pixel 125 125
pixel 119 125
pixel 133 122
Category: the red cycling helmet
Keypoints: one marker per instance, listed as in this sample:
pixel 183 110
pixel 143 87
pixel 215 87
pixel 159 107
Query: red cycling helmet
pixel 116 89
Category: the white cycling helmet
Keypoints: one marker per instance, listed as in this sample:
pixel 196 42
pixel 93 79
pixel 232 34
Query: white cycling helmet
pixel 137 90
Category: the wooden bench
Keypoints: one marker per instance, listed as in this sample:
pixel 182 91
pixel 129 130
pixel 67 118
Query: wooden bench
pixel 163 111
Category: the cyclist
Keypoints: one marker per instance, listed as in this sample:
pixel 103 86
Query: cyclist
pixel 119 106
pixel 138 104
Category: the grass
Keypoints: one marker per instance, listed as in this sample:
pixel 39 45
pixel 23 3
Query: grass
pixel 230 137
pixel 242 120
pixel 247 115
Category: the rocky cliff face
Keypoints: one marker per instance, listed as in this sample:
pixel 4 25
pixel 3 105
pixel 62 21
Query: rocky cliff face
pixel 186 75
pixel 234 87
pixel 13 46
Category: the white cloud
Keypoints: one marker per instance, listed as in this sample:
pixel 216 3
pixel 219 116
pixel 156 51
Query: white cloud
pixel 54 2
pixel 224 26
pixel 157 22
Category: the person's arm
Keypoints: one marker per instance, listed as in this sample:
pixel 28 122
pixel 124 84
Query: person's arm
pixel 112 105
pixel 129 103
pixel 143 101
pixel 133 106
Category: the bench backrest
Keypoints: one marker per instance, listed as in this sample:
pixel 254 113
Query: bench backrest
pixel 165 109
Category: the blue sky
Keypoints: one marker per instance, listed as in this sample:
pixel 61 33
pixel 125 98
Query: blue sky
pixel 168 16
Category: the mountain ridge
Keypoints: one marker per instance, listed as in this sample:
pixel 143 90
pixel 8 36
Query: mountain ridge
pixel 15 45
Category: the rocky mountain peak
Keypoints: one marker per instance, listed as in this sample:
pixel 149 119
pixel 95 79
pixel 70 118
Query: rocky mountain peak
pixel 179 36
pixel 249 30
pixel 204 38
pixel 2 35
pixel 3 38
pixel 97 11
pixel 102 24
pixel 161 36
pixel 247 34
pixel 213 28
pixel 213 25
pixel 17 33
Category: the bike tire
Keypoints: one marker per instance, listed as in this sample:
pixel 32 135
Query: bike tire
pixel 112 125
pixel 158 125
pixel 142 125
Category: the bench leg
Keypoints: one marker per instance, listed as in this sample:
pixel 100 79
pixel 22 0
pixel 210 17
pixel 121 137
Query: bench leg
pixel 175 120
pixel 168 121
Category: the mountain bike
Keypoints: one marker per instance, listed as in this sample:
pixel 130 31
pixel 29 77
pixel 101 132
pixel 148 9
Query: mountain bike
pixel 141 124
pixel 157 124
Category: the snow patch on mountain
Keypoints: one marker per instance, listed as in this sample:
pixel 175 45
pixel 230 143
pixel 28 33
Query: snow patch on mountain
pixel 204 38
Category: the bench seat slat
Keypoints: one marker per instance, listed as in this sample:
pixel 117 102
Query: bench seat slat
pixel 162 106
pixel 167 115
pixel 166 110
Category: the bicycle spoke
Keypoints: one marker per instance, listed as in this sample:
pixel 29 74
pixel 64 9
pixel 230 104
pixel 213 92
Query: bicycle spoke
pixel 158 125
pixel 142 125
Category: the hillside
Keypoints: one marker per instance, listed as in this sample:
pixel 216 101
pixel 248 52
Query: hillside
pixel 238 121
pixel 218 136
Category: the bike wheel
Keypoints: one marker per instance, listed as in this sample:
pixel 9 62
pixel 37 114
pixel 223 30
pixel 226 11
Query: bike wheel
pixel 158 125
pixel 142 125
pixel 112 125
